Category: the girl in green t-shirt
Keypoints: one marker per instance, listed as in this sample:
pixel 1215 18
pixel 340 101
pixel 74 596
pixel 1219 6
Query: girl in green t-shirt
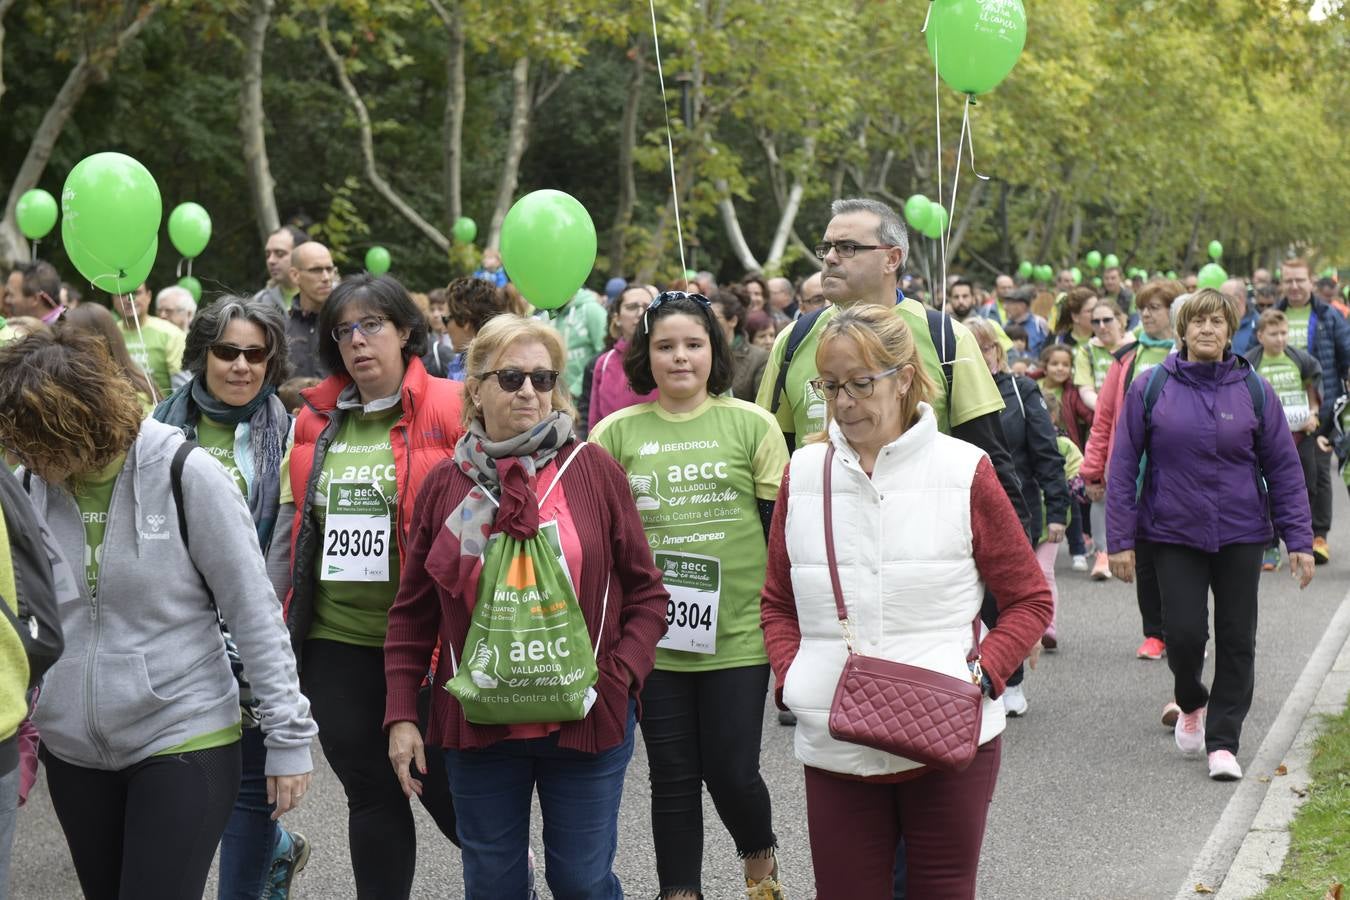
pixel 704 470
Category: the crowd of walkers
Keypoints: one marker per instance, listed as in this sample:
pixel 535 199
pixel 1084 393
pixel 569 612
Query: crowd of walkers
pixel 475 549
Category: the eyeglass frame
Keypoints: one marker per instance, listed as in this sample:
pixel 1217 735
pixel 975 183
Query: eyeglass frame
pixel 822 249
pixel 343 333
pixel 817 385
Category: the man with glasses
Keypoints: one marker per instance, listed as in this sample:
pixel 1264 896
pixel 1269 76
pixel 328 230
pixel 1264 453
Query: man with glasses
pixel 154 344
pixel 281 288
pixel 811 296
pixel 176 306
pixel 313 273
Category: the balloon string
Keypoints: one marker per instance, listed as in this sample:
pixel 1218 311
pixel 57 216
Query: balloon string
pixel 928 15
pixel 178 269
pixel 670 143
pixel 189 262
pixel 956 176
pixel 937 115
pixel 136 317
pixel 970 141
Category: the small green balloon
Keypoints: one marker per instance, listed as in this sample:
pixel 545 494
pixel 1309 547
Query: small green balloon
pixel 975 43
pixel 36 213
pixel 918 210
pixel 937 222
pixel 1211 275
pixel 1094 259
pixel 1172 274
pixel 113 208
pixel 189 229
pixel 1278 275
pixel 548 247
pixel 465 230
pixel 1024 270
pixel 192 286
pixel 1045 272
pixel 1077 274
pixel 1215 250
pixel 1111 261
pixel 690 274
pixel 377 260
pixel 1096 281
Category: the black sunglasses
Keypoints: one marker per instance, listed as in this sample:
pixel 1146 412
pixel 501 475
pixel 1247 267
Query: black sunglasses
pixel 512 380
pixel 665 297
pixel 229 353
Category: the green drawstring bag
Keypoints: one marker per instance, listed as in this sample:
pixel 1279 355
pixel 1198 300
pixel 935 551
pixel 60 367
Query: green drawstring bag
pixel 528 656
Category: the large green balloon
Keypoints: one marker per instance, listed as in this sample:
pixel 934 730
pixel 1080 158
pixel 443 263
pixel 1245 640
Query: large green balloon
pixel 464 230
pixel 548 247
pixel 937 221
pixel 112 205
pixel 918 210
pixel 1024 270
pixel 976 43
pixel 1111 261
pixel 105 277
pixel 36 213
pixel 1215 250
pixel 192 286
pixel 1211 275
pixel 377 260
pixel 1094 259
pixel 189 229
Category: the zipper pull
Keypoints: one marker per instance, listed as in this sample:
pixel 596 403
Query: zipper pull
pixel 33 627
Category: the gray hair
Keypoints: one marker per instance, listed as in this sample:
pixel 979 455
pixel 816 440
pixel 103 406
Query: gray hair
pixel 209 328
pixel 174 292
pixel 890 231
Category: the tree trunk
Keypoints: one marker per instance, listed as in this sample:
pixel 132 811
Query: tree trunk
pixel 452 118
pixel 1051 226
pixel 788 216
pixel 377 181
pixel 623 214
pixel 252 132
pixel 732 224
pixel 1005 235
pixel 4 8
pixel 516 139
pixel 91 66
pixel 1194 238
pixel 1075 231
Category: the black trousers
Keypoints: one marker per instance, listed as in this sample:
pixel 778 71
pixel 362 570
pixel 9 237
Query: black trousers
pixel 345 687
pixel 147 832
pixel 704 728
pixel 1146 591
pixel 1321 497
pixel 1187 576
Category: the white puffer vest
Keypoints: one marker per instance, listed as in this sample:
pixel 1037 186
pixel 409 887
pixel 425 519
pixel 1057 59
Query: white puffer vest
pixel 903 543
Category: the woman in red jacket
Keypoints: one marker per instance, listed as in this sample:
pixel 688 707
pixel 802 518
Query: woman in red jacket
pixel 519 472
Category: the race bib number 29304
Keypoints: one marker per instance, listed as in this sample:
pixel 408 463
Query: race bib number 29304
pixel 695 586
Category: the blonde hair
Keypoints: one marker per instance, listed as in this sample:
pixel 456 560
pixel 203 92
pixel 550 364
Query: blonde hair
pixel 500 332
pixel 1206 302
pixel 986 333
pixel 884 341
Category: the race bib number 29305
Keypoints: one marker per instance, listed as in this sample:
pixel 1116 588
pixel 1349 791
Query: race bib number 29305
pixel 356 533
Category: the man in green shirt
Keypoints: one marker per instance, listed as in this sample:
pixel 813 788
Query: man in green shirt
pixel 156 346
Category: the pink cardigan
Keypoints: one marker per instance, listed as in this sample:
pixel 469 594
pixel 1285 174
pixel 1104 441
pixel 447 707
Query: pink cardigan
pixel 610 391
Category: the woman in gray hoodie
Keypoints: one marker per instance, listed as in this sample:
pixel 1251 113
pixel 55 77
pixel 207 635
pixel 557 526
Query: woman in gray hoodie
pixel 140 717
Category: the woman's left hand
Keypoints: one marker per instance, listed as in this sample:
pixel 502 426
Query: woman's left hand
pixel 286 791
pixel 1301 566
pixel 1054 532
pixel 1122 565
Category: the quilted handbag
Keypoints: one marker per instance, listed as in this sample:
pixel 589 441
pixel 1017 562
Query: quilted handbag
pixel 910 711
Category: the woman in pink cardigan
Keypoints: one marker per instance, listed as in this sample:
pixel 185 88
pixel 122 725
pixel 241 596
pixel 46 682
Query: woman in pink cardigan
pixel 610 390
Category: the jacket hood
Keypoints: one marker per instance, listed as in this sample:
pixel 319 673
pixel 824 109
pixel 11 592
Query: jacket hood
pixel 1229 370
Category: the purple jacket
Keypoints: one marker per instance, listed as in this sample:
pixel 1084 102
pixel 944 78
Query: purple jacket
pixel 1203 484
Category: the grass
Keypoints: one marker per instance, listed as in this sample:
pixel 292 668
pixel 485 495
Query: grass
pixel 1319 852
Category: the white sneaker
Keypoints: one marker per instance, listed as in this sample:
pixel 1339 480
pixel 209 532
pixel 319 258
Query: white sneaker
pixel 1190 732
pixel 1080 563
pixel 1223 766
pixel 1014 701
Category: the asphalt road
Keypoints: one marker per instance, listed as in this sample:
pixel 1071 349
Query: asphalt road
pixel 1093 800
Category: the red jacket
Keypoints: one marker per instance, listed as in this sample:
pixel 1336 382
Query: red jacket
pixel 425 434
pixel 428 608
pixel 1103 436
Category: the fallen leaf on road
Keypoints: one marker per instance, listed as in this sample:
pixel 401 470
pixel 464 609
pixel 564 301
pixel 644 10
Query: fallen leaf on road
pixel 1334 893
pixel 1264 779
pixel 1202 888
pixel 1281 769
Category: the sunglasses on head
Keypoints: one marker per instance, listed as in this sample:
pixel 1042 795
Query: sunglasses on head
pixel 512 380
pixel 229 353
pixel 665 297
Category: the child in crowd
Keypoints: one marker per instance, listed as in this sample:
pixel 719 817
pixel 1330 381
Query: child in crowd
pixel 1075 419
pixel 289 392
pixel 1047 551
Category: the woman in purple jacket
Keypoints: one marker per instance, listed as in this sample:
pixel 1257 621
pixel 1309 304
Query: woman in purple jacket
pixel 1220 466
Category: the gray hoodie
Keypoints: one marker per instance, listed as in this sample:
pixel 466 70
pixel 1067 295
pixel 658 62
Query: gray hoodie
pixel 144 667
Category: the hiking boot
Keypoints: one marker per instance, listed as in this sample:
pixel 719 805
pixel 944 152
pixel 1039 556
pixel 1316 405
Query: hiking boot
pixel 1321 551
pixel 288 859
pixel 1014 700
pixel 1151 648
pixel 1171 712
pixel 1079 563
pixel 1223 766
pixel 1271 560
pixel 1190 732
pixel 1101 568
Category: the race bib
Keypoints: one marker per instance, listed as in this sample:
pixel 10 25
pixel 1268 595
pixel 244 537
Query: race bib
pixel 356 533
pixel 1296 409
pixel 695 586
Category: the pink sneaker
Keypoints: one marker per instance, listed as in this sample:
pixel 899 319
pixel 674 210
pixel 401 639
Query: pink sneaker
pixel 1101 568
pixel 1151 648
pixel 1223 766
pixel 1190 732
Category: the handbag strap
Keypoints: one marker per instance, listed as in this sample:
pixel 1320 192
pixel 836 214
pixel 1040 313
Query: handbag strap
pixel 833 565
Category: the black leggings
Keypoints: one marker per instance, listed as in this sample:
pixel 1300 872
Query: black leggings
pixel 1186 577
pixel 345 687
pixel 704 728
pixel 147 832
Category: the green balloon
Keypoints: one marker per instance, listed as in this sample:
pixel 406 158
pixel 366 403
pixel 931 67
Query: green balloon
pixel 1024 270
pixel 937 221
pixel 1211 275
pixel 918 210
pixel 189 229
pixel 192 286
pixel 1094 259
pixel 1096 281
pixel 1172 274
pixel 112 205
pixel 976 43
pixel 1215 250
pixel 36 213
pixel 1045 272
pixel 690 274
pixel 105 277
pixel 1278 275
pixel 548 247
pixel 465 230
pixel 377 260
pixel 1077 274
pixel 1111 261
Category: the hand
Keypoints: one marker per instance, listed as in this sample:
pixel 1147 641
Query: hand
pixel 1122 565
pixel 1311 425
pixel 1096 491
pixel 1054 533
pixel 1301 566
pixel 1323 444
pixel 1034 656
pixel 405 747
pixel 286 791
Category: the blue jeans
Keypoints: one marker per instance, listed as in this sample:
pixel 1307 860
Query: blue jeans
pixel 579 796
pixel 250 836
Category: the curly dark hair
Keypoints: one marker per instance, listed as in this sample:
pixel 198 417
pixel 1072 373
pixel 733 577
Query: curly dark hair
pixel 472 301
pixel 637 362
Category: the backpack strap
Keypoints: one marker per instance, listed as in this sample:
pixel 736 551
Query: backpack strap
pixel 800 329
pixel 943 336
pixel 176 485
pixel 1157 377
pixel 1131 369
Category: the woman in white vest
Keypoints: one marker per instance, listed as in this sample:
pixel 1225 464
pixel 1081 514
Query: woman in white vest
pixel 920 527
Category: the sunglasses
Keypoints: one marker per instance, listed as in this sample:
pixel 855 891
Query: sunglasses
pixel 665 297
pixel 229 353
pixel 512 380
pixel 1103 321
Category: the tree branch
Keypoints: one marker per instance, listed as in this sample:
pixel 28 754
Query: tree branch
pixel 252 131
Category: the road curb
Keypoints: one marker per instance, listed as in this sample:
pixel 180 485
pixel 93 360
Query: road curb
pixel 1250 840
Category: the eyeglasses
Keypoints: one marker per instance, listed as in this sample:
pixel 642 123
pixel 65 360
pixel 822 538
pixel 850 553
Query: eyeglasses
pixel 321 270
pixel 369 326
pixel 229 353
pixel 512 380
pixel 1103 321
pixel 846 249
pixel 812 301
pixel 857 388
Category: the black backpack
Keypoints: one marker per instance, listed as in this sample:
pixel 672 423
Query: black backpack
pixel 36 621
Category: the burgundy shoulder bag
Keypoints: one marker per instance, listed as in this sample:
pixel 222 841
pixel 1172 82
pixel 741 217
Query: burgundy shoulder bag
pixel 910 711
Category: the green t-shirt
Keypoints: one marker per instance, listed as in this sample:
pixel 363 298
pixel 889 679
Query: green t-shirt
pixel 1284 376
pixel 1297 316
pixel 218 440
pixel 1146 358
pixel 157 348
pixel 356 504
pixel 1090 365
pixel 696 477
pixel 801 411
pixel 221 737
pixel 93 494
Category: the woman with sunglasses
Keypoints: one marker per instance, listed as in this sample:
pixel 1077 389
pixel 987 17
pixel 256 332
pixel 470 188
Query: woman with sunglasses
pixel 140 719
pixel 704 469
pixel 519 471
pixel 365 439
pixel 236 355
